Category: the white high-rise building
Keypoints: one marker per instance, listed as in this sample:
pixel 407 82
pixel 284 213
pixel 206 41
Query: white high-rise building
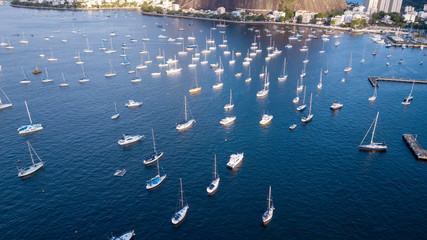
pixel 373 6
pixel 395 6
pixel 384 5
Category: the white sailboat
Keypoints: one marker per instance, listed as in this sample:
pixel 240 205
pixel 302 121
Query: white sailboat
pixel 310 115
pixel 264 92
pixel 137 78
pixel 219 84
pixel 24 40
pixel 229 106
pixel 47 79
pixel 220 69
pixel 156 180
pixel 63 82
pixel 111 73
pixel 319 86
pixel 303 105
pixel 373 97
pixel 187 123
pixel 29 128
pixel 79 61
pixel 52 58
pixel 5 105
pixel 372 146
pixel 232 61
pixel 25 172
pixel 126 236
pixel 85 78
pixel 283 76
pixel 180 214
pixel 88 49
pixel 408 100
pixel 268 215
pixel 116 114
pixel 249 78
pixel 25 80
pixel 111 50
pixel 196 88
pixel 363 57
pixel 348 69
pixel 155 156
pixel 213 186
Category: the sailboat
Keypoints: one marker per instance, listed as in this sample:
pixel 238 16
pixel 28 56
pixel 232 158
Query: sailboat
pixel 63 83
pixel 248 79
pixel 155 156
pixel 232 61
pixel 25 172
pixel 29 128
pixel 264 92
pixel 84 79
pixel 111 50
pixel 25 80
pixel 126 236
pixel 52 58
pixel 174 69
pixel 5 105
pixel 116 114
pixel 283 76
pixel 187 123
pixel 79 61
pixel 125 59
pixel 156 180
pixel 141 65
pixel 136 78
pixel 319 86
pixel 42 55
pixel 229 106
pixel 220 69
pixel 323 48
pixel 373 97
pixel 219 84
pixel 363 57
pixel 196 88
pixel 348 69
pixel 111 73
pixel 268 215
pixel 179 215
pixel 372 146
pixel 326 70
pixel 310 115
pixel 145 38
pixel 303 105
pixel 300 86
pixel 408 100
pixel 47 79
pixel 204 62
pixel 9 46
pixel 24 40
pixel 213 186
pixel 88 49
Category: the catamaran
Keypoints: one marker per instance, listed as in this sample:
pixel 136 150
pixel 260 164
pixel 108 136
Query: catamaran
pixel 196 88
pixel 156 180
pixel 128 140
pixel 235 160
pixel 283 76
pixel 303 105
pixel 187 123
pixel 213 186
pixel 372 146
pixel 29 128
pixel 155 156
pixel 5 105
pixel 268 215
pixel 310 115
pixel 25 80
pixel 111 73
pixel 408 100
pixel 25 172
pixel 116 114
pixel 179 215
pixel 229 106
pixel 348 69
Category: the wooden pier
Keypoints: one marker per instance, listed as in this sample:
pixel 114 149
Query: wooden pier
pixel 374 80
pixel 415 147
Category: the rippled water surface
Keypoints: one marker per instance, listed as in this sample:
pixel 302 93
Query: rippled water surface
pixel 322 186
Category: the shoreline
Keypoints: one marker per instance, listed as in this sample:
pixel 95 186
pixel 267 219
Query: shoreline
pixel 75 9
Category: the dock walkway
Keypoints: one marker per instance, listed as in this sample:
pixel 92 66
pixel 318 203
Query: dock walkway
pixel 374 80
pixel 416 148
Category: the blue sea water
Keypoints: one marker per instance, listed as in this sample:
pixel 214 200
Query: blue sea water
pixel 322 186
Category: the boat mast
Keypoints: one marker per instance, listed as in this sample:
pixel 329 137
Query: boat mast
pixel 351 54
pixel 47 76
pixel 284 67
pixel 311 98
pixel 375 126
pixel 230 96
pixel 5 96
pixel 185 107
pixel 182 195
pixel 269 197
pixel 28 112
pixel 303 100
pixel 115 106
pixel 158 168
pixel 215 167
pixel 29 150
pixel 320 75
pixel 154 142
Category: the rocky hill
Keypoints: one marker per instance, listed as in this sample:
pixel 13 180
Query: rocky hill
pixel 266 5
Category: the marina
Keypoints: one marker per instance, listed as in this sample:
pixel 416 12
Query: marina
pixel 323 187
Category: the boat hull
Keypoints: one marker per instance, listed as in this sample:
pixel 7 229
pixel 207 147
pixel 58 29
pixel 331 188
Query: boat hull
pixel 179 216
pixel 373 147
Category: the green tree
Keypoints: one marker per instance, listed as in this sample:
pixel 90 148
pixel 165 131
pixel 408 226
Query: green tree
pixel 261 17
pixel 299 19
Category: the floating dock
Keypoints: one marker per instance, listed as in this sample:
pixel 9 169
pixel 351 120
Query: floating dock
pixel 374 80
pixel 415 147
